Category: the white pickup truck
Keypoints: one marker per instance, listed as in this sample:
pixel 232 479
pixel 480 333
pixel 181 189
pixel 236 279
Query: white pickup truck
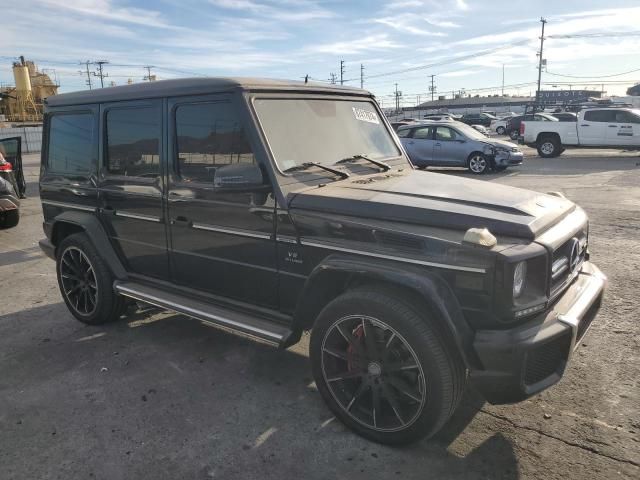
pixel 596 127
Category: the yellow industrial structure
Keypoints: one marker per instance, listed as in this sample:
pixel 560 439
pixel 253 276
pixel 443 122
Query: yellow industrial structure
pixel 24 102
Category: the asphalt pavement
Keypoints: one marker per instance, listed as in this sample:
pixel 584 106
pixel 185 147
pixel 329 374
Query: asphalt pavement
pixel 161 396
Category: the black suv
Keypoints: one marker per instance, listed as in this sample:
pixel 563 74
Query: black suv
pixel 270 208
pixel 483 119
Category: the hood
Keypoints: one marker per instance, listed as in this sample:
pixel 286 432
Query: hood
pixel 501 143
pixel 439 200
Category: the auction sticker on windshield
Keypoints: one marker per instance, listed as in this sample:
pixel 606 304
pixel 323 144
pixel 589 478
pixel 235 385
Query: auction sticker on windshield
pixel 365 115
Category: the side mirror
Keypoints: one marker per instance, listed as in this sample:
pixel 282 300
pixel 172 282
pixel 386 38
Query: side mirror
pixel 240 176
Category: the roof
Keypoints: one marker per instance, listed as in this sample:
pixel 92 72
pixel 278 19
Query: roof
pixel 193 86
pixel 476 102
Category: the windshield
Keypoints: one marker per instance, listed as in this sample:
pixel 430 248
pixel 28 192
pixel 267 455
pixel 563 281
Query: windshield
pixel 470 132
pixel 323 131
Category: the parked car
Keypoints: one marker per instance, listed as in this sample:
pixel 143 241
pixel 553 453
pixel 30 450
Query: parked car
pixel 565 116
pixel 457 145
pixel 439 118
pixel 402 123
pixel 595 127
pixel 484 119
pixel 513 124
pixel 12 183
pixel 270 214
pixel 499 125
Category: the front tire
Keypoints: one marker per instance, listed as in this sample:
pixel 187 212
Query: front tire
pixel 86 282
pixel 382 367
pixel 549 147
pixel 478 163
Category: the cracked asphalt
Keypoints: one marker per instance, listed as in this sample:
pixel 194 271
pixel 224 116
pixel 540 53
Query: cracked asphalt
pixel 161 396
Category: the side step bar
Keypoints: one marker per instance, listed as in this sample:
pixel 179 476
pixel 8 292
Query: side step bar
pixel 211 314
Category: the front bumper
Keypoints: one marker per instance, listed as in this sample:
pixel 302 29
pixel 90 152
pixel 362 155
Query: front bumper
pixel 523 361
pixel 509 159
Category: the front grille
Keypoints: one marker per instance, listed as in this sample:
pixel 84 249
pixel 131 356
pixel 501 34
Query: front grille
pixel 567 259
pixel 546 359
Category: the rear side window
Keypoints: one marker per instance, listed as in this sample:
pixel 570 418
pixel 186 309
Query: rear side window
pixel 133 141
pixel 71 147
pixel 209 135
pixel 600 116
pixel 424 133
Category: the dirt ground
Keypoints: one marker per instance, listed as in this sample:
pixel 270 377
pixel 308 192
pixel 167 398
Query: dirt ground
pixel 164 397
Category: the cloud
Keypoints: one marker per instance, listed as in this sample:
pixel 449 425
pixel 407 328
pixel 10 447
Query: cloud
pixel 356 46
pixel 407 24
pixel 284 10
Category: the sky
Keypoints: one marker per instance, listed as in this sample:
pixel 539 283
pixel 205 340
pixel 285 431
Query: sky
pixel 464 43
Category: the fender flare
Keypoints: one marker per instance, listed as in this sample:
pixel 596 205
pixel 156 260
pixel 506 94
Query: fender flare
pixel 338 272
pixel 96 233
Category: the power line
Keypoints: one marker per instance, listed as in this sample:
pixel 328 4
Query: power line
pixel 341 72
pixel 594 76
pixel 100 73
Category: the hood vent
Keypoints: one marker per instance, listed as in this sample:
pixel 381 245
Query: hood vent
pixel 378 178
pixel 396 240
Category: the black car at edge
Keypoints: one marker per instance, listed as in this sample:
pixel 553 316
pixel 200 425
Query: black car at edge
pixel 274 207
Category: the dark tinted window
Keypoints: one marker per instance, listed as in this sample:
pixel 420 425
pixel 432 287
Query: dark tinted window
pixel 424 133
pixel 445 134
pixel 71 143
pixel 404 132
pixel 626 117
pixel 209 135
pixel 133 141
pixel 600 116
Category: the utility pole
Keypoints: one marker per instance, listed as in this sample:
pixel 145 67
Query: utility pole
pixel 341 72
pixel 148 76
pixel 543 22
pixel 332 78
pixel 100 73
pixel 432 88
pixel 503 80
pixel 88 73
pixel 397 99
pixel 361 75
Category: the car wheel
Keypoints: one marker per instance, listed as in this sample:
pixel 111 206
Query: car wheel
pixel 513 134
pixel 10 219
pixel 500 130
pixel 86 283
pixel 382 368
pixel 478 163
pixel 549 147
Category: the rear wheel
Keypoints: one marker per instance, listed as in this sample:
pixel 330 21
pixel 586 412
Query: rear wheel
pixel 549 147
pixel 478 163
pixel 10 218
pixel 382 367
pixel 500 130
pixel 86 283
pixel 513 134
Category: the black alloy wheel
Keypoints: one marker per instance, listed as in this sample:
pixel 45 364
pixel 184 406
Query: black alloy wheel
pixel 373 373
pixel 78 279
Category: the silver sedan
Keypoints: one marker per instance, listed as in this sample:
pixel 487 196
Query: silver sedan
pixel 455 144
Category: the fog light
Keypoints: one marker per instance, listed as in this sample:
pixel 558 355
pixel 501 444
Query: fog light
pixel 519 275
pixel 529 311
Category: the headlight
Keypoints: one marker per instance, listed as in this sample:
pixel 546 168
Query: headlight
pixel 519 276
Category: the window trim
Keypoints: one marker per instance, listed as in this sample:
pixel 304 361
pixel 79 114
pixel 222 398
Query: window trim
pixel 95 134
pixel 430 137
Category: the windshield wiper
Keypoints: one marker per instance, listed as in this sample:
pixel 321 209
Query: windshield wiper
pixel 382 165
pixel 306 165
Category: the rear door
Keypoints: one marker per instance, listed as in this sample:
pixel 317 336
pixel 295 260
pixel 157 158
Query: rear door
pixel 222 241
pixel 625 130
pixel 131 185
pixel 449 147
pixel 419 146
pixel 592 129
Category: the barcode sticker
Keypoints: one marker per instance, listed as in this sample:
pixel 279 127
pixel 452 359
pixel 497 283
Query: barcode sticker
pixel 365 115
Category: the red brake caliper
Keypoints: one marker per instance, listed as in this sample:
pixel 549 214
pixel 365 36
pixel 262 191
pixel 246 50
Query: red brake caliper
pixel 352 356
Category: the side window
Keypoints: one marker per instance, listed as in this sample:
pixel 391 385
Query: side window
pixel 626 117
pixel 404 133
pixel 600 116
pixel 445 134
pixel 423 133
pixel 71 146
pixel 209 135
pixel 133 141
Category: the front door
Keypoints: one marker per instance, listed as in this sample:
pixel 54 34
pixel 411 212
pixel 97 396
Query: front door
pixel 624 130
pixel 130 187
pixel 222 241
pixel 449 147
pixel 11 170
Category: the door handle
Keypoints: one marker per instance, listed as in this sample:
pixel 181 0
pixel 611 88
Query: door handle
pixel 182 221
pixel 438 144
pixel 411 142
pixel 109 210
pixel 613 126
pixel 584 125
